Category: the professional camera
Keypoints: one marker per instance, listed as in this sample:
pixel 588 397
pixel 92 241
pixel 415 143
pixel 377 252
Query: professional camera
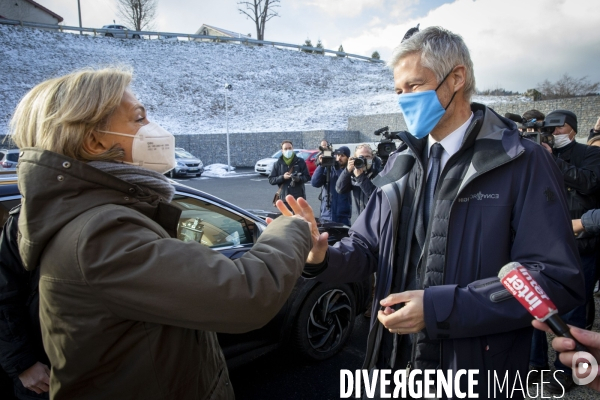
pixel 542 130
pixel 360 162
pixel 326 154
pixel 327 158
pixel 294 176
pixel 386 145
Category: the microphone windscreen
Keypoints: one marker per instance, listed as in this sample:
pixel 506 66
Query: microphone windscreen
pixel 504 270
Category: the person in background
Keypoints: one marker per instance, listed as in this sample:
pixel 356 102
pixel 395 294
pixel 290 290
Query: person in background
pixel 595 131
pixel 359 180
pixel 22 353
pixel 579 166
pixel 128 310
pixel 290 173
pixel 594 141
pixel 335 207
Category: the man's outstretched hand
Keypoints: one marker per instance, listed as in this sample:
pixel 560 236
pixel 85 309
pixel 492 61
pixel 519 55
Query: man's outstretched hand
pixel 301 209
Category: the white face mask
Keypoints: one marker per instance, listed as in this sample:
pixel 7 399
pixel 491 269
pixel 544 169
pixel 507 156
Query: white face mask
pixel 561 140
pixel 153 148
pixel 288 153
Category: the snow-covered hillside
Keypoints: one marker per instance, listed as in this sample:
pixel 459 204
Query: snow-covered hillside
pixel 182 83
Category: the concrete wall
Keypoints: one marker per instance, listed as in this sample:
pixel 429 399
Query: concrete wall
pixel 587 110
pixel 247 148
pixel 25 11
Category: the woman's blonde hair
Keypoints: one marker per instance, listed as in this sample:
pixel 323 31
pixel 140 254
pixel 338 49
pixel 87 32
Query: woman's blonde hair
pixel 60 113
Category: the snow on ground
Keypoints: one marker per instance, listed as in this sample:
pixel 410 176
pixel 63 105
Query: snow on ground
pixel 182 83
pixel 219 171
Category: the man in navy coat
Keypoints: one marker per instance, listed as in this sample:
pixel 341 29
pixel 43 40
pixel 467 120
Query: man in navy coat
pixel 463 196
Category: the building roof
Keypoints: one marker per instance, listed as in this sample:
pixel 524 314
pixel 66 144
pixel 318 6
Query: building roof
pixel 41 7
pixel 223 31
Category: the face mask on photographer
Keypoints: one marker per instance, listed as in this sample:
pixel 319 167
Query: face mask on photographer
pixel 561 139
pixel 422 110
pixel 153 148
pixel 369 163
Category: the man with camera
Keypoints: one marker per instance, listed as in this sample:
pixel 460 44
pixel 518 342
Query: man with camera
pixel 579 165
pixel 335 207
pixel 289 173
pixel 358 175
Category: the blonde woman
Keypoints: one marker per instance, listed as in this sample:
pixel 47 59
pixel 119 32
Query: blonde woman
pixel 128 311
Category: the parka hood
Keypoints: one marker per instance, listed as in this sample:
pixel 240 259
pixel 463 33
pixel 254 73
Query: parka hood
pixel 56 189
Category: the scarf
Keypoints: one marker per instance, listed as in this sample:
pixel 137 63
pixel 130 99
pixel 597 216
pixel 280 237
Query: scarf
pixel 151 182
pixel 288 161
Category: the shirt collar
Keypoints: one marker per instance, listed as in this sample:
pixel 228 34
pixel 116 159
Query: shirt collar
pixel 452 142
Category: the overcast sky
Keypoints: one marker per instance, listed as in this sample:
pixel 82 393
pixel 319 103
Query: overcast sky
pixel 515 44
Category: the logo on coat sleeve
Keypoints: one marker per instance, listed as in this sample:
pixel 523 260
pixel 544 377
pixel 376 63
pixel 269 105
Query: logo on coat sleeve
pixel 479 196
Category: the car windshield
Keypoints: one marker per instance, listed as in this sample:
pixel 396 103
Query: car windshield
pixel 183 154
pixel 303 154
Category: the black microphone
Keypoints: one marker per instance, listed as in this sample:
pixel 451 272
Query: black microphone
pixel 380 130
pixel 517 280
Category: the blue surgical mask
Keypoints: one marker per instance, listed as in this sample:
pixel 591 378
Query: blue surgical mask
pixel 422 110
pixel 288 153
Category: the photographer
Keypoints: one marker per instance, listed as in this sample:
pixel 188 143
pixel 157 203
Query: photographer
pixel 357 176
pixel 533 115
pixel 335 207
pixel 579 165
pixel 290 173
pixel 324 146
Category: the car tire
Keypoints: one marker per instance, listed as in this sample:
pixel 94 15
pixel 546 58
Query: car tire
pixel 109 34
pixel 136 36
pixel 325 321
pixel 198 175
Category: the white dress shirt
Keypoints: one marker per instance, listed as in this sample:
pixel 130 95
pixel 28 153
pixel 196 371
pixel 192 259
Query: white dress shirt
pixel 450 143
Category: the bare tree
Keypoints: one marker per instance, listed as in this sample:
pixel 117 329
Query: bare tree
pixel 259 11
pixel 567 86
pixel 139 13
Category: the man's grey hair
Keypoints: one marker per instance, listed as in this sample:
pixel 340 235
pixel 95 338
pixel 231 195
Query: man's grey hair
pixel 441 51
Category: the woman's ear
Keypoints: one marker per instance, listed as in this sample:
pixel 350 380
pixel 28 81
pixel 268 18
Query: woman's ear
pixel 94 143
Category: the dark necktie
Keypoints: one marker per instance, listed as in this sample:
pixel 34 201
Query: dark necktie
pixel 436 158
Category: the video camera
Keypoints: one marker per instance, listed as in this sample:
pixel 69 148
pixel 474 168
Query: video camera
pixel 542 130
pixel 386 145
pixel 327 158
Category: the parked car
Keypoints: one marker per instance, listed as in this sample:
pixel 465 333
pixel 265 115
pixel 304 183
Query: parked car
pixel 265 165
pixel 9 159
pixel 119 31
pixel 187 164
pixel 316 320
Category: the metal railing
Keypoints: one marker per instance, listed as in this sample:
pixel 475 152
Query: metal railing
pixel 184 36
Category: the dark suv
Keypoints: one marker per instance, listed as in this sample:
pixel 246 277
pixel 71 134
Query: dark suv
pixel 317 319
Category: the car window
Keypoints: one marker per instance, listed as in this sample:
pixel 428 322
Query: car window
pixel 303 154
pixel 183 154
pixel 276 155
pixel 12 157
pixel 211 225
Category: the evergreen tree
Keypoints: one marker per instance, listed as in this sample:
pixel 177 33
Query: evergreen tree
pixel 341 50
pixel 375 55
pixel 307 43
pixel 320 47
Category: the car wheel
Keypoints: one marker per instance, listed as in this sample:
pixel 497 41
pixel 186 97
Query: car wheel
pixel 109 35
pixel 325 321
pixel 136 36
pixel 198 175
